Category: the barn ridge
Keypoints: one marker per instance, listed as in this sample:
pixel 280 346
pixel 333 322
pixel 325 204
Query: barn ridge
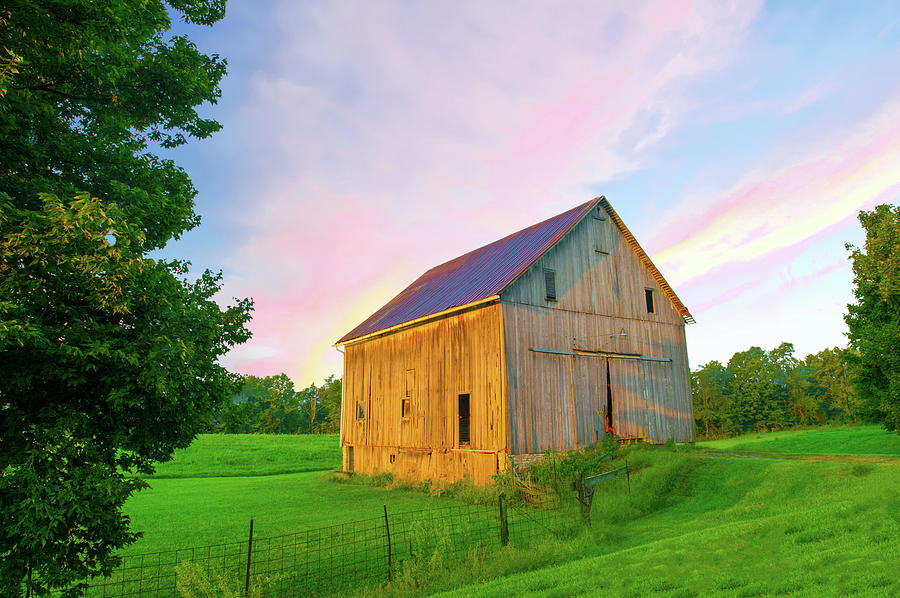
pixel 480 275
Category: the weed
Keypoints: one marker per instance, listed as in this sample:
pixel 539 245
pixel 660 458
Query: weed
pixel 193 581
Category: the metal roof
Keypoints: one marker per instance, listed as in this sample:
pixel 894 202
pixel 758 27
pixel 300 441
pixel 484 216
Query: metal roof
pixel 484 272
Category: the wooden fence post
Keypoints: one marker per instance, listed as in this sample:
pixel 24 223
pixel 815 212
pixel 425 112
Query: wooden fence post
pixel 628 478
pixel 582 498
pixel 387 529
pixel 249 552
pixel 504 525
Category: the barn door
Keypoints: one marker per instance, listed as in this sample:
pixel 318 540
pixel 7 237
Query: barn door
pixel 589 392
pixel 629 402
pixel 662 411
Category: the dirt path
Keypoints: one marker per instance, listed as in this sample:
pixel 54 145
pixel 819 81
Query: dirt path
pixel 868 459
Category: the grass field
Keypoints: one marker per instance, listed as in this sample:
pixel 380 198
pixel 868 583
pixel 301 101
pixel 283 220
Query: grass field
pixel 855 440
pixel 741 528
pixel 698 524
pixel 722 518
pixel 209 492
pixel 229 455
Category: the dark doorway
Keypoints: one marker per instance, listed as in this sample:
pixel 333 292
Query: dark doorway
pixel 463 412
pixel 349 458
pixel 610 426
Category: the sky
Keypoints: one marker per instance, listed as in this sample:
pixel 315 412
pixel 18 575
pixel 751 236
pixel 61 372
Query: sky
pixel 365 142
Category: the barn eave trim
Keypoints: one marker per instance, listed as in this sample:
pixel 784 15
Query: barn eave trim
pixel 418 321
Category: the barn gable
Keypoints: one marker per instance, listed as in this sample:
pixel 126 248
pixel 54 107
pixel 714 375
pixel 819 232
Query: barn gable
pixel 489 270
pixel 599 268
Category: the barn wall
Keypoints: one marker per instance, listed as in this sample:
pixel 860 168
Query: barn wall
pixel 430 364
pixel 559 401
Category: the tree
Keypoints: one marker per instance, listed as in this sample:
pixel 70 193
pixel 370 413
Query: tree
pixel 829 385
pixel 330 405
pixel 874 320
pixel 108 359
pixel 708 387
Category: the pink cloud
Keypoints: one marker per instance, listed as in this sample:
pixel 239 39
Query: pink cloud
pixel 780 207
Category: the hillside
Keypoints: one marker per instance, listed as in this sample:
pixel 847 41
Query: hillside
pixel 739 525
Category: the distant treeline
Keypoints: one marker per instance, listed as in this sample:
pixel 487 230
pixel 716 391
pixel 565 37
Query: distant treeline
pixel 270 405
pixel 756 390
pixel 761 390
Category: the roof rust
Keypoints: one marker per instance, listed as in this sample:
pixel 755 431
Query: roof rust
pixel 486 271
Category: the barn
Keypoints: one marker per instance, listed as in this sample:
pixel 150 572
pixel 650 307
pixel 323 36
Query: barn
pixel 549 338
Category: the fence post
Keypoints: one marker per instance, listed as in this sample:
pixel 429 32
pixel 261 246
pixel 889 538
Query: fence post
pixel 628 478
pixel 582 499
pixel 249 552
pixel 387 529
pixel 504 525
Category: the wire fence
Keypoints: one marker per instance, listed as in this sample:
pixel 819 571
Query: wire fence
pixel 331 559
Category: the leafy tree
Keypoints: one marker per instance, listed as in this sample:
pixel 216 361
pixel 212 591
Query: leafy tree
pixel 766 390
pixel 830 387
pixel 108 359
pixel 330 405
pixel 874 320
pixel 708 388
pixel 271 405
pixel 279 405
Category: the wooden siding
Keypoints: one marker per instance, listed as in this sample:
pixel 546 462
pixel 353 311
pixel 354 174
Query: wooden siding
pixel 591 281
pixel 559 401
pixel 431 364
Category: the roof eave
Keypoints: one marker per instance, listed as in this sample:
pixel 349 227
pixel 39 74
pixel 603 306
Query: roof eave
pixel 409 324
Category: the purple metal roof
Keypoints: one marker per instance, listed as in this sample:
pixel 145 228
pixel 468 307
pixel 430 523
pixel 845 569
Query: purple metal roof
pixel 476 275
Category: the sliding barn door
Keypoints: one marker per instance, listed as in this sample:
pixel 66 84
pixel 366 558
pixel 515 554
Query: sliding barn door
pixel 629 403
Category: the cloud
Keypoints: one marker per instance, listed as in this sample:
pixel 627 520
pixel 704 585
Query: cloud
pixel 777 207
pixel 387 138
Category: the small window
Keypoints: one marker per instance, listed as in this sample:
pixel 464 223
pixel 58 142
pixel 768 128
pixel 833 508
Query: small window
pixel 404 409
pixel 601 239
pixel 360 411
pixel 550 284
pixel 463 411
pixel 651 301
pixel 410 382
pixel 393 457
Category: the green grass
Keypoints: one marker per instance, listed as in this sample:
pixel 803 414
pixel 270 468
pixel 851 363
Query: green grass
pixel 221 455
pixel 700 526
pixel 215 505
pixel 693 525
pixel 848 440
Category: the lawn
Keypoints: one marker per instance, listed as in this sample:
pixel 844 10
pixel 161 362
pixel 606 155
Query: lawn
pixel 701 526
pixel 220 455
pixel 209 492
pixel 846 440
pixel 745 528
pixel 695 523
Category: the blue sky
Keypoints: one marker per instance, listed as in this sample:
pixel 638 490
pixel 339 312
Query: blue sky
pixel 366 142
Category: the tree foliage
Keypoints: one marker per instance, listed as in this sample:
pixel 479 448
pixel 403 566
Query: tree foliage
pixel 270 405
pixel 874 320
pixel 108 359
pixel 769 390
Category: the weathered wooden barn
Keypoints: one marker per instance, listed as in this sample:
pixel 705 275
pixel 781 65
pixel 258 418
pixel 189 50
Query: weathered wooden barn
pixel 549 338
